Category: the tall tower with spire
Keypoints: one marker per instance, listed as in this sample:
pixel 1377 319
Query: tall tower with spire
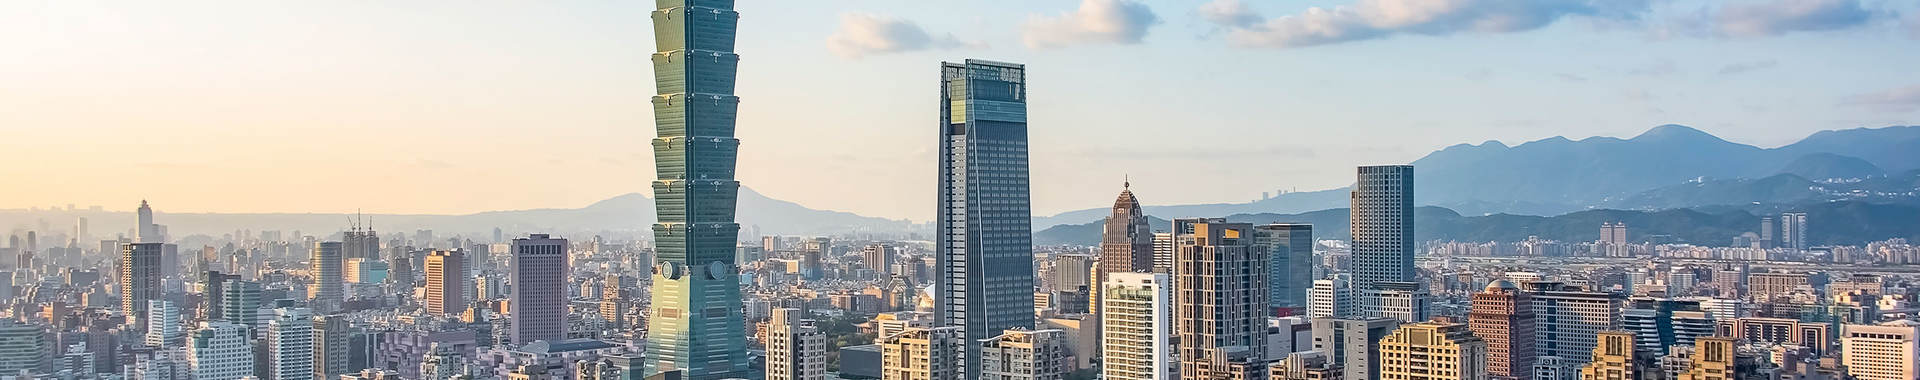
pixel 695 323
pixel 1126 246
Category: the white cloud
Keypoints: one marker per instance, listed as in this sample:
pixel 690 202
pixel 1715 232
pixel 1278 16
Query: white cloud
pixel 1782 16
pixel 1371 19
pixel 862 35
pixel 1229 13
pixel 1096 21
pixel 1897 100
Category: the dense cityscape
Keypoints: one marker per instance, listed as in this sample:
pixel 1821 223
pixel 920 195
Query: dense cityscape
pixel 970 295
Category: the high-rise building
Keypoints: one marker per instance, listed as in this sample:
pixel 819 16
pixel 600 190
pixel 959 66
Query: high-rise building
pixel 1333 297
pixel 446 282
pixel 539 302
pixel 1661 323
pixel 613 300
pixel 1503 317
pixel 1815 336
pixel 1767 232
pixel 1793 230
pixel 360 243
pixel 1403 301
pixel 1382 225
pixel 1024 355
pixel 1289 263
pixel 694 324
pixel 1567 324
pixel 1433 351
pixel 332 355
pixel 1220 302
pixel 146 231
pixel 220 351
pixel 139 279
pixel 24 347
pixel 329 288
pixel 1613 358
pixel 1881 352
pixel 1126 245
pixel 1614 233
pixel 1136 324
pixel 985 242
pixel 1163 253
pixel 879 258
pixel 290 344
pixel 1073 271
pixel 240 302
pixel 1354 344
pixel 1764 286
pixel 163 324
pixel 920 353
pixel 796 348
pixel 1716 358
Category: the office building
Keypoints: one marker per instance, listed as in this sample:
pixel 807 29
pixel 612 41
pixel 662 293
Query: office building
pixel 1382 225
pixel 922 354
pixel 1072 272
pixel 694 324
pixel 1661 323
pixel 329 288
pixel 1767 232
pixel 1613 233
pixel 1567 324
pixel 796 348
pixel 1024 355
pixel 1136 327
pixel 1613 358
pixel 139 279
pixel 1333 297
pixel 1126 245
pixel 1433 351
pixel 1815 336
pixel 146 231
pixel 1502 315
pixel 446 274
pixel 1764 286
pixel 985 242
pixel 539 302
pixel 879 258
pixel 1403 301
pixel 220 351
pixel 240 302
pixel 24 347
pixel 1793 231
pixel 1354 344
pixel 1309 365
pixel 1163 253
pixel 164 325
pixel 1220 308
pixel 365 271
pixel 332 354
pixel 1881 352
pixel 1716 359
pixel 1289 251
pixel 290 344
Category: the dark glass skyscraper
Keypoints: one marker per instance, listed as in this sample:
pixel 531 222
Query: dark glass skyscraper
pixel 695 322
pixel 1383 225
pixel 1289 255
pixel 984 215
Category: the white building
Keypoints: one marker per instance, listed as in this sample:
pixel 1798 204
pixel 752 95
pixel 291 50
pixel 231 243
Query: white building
pixel 1333 298
pixel 1136 327
pixel 796 348
pixel 220 351
pixel 1881 352
pixel 1024 355
pixel 290 344
pixel 163 324
pixel 921 354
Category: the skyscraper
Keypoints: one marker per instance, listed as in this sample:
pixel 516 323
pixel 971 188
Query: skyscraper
pixel 1220 303
pixel 984 218
pixel 1382 225
pixel 539 302
pixel 796 348
pixel 1568 322
pixel 290 344
pixel 1716 358
pixel 879 258
pixel 1433 351
pixel 1767 232
pixel 1163 253
pixel 24 347
pixel 331 354
pixel 146 231
pixel 163 324
pixel 329 288
pixel 1503 317
pixel 1793 230
pixel 1289 263
pixel 240 302
pixel 1136 325
pixel 139 279
pixel 1127 244
pixel 695 322
pixel 446 282
pixel 1613 232
pixel 1333 297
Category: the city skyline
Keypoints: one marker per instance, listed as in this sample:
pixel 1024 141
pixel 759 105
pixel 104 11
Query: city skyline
pixel 429 117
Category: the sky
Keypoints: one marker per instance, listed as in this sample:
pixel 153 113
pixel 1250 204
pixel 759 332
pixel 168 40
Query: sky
pixel 453 108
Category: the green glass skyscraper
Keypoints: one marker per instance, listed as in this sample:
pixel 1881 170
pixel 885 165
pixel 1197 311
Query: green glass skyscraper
pixel 695 324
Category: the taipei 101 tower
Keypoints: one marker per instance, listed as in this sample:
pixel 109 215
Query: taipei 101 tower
pixel 695 325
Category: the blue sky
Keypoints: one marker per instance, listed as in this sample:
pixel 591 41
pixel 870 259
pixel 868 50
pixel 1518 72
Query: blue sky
pixel 432 108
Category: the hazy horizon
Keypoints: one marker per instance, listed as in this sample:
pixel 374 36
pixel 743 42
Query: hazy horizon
pixel 220 107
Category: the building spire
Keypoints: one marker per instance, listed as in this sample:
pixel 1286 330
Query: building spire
pixel 1126 182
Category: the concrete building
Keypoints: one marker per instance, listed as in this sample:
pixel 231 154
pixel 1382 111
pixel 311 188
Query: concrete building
pixel 220 350
pixel 140 275
pixel 796 348
pixel 446 282
pixel 240 302
pixel 290 344
pixel 1881 352
pixel 1289 263
pixel 327 267
pixel 985 245
pixel 1793 231
pixel 1403 301
pixel 1433 351
pixel 922 354
pixel 1333 297
pixel 1613 358
pixel 1661 323
pixel 1024 355
pixel 1220 305
pixel 1715 359
pixel 1126 245
pixel 1502 315
pixel 1138 324
pixel 1815 336
pixel 1568 323
pixel 1353 344
pixel 879 258
pixel 164 328
pixel 1382 225
pixel 24 347
pixel 332 336
pixel 539 301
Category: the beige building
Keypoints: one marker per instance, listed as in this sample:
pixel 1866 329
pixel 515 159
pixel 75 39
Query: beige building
pixel 1613 358
pixel 1220 307
pixel 1433 351
pixel 1024 355
pixel 1713 359
pixel 796 348
pixel 1881 352
pixel 446 273
pixel 922 353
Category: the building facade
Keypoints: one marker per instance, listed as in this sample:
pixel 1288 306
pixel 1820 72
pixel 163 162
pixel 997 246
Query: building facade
pixel 1024 355
pixel 539 275
pixel 1126 244
pixel 984 241
pixel 446 282
pixel 1382 225
pixel 1353 344
pixel 796 348
pixel 1881 352
pixel 290 345
pixel 1220 308
pixel 922 354
pixel 220 351
pixel 327 267
pixel 1137 326
pixel 1289 263
pixel 1502 315
pixel 140 275
pixel 1433 351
